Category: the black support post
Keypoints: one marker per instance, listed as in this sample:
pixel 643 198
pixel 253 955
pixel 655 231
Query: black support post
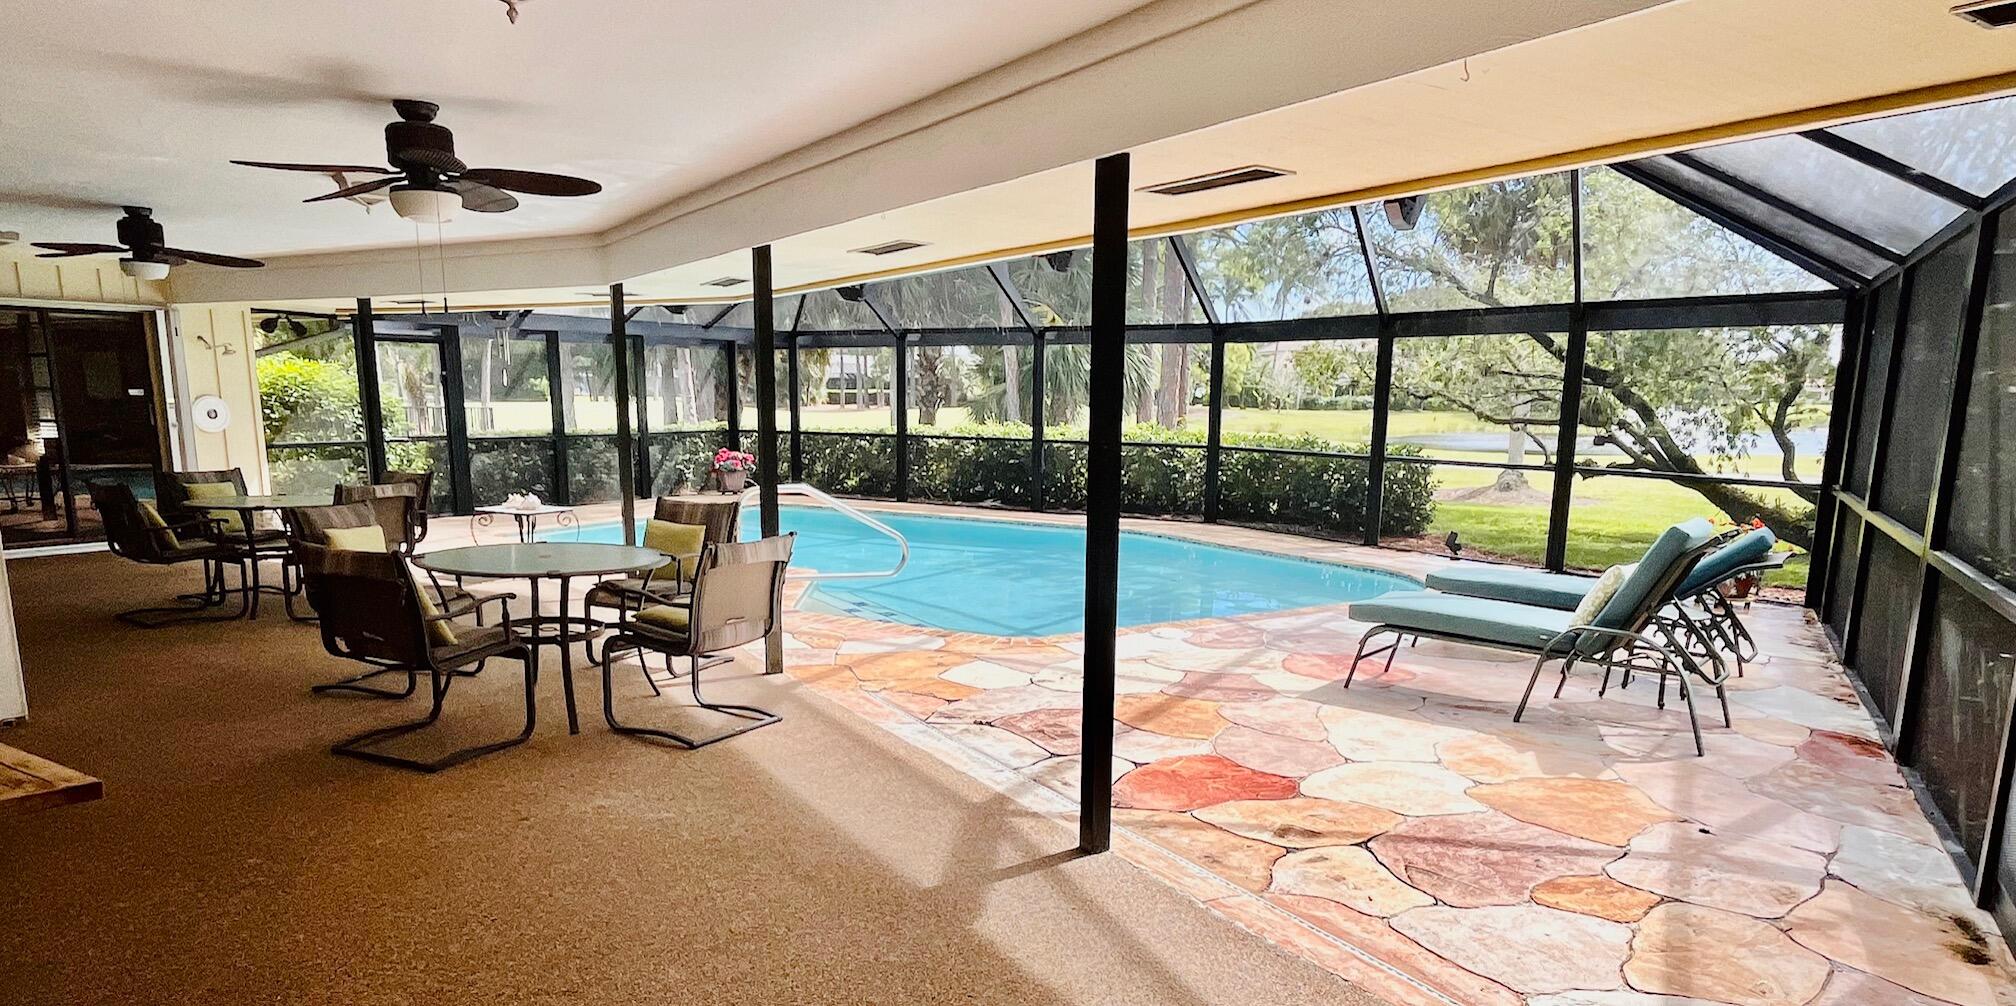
pixel 1102 498
pixel 461 491
pixel 1375 467
pixel 562 481
pixel 364 331
pixel 1036 466
pixel 626 442
pixel 640 393
pixel 1574 357
pixel 902 417
pixel 734 432
pixel 793 394
pixel 766 428
pixel 1214 427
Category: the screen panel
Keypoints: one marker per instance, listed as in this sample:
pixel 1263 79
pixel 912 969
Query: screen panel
pixel 1934 307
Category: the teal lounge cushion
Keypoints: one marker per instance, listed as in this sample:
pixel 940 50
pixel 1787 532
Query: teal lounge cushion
pixel 1522 626
pixel 1672 545
pixel 1742 552
pixel 1510 583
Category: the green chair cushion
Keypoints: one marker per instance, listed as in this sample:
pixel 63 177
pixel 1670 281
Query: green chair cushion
pixel 1672 544
pixel 668 618
pixel 150 515
pixel 1521 626
pixel 674 539
pixel 200 491
pixel 370 538
pixel 1717 567
pixel 1511 583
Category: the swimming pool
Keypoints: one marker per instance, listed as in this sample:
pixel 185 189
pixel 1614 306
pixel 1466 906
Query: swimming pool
pixel 1006 578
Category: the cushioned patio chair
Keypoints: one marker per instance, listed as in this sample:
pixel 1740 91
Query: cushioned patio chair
pixel 1743 555
pixel 176 494
pixel 1626 632
pixel 396 503
pixel 721 521
pixel 737 592
pixel 374 613
pixel 423 484
pixel 136 530
pixel 310 531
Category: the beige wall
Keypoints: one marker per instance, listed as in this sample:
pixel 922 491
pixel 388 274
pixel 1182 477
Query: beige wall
pixel 215 345
pixel 94 279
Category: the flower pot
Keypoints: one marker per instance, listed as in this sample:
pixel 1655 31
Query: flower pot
pixel 733 481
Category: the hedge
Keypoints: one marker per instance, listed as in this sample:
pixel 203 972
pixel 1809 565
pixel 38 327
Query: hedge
pixel 990 464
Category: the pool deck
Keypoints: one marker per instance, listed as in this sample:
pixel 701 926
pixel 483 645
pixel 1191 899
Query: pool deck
pixel 1407 835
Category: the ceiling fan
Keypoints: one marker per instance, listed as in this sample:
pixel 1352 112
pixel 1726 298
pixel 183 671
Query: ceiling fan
pixel 145 246
pixel 428 182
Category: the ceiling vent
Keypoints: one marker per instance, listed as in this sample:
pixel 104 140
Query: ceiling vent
pixel 888 248
pixel 1221 179
pixel 726 281
pixel 1989 13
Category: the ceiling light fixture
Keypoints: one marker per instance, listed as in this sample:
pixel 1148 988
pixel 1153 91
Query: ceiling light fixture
pixel 143 270
pixel 1988 13
pixel 1217 180
pixel 428 206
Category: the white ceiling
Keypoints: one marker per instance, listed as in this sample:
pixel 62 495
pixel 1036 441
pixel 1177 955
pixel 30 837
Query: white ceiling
pixel 110 102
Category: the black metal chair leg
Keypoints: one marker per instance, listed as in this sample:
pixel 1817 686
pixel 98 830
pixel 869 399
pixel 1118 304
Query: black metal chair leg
pixel 356 684
pixel 193 607
pixel 758 717
pixel 356 747
pixel 1566 666
pixel 1538 662
pixel 1693 723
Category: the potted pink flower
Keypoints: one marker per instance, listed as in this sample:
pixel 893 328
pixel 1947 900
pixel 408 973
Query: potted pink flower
pixel 732 467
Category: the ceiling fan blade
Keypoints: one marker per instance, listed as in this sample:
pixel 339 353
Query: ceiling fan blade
pixel 65 249
pixel 536 183
pixel 357 190
pixel 208 258
pixel 320 169
pixel 480 198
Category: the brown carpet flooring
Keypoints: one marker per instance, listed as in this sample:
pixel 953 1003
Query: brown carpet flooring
pixel 234 860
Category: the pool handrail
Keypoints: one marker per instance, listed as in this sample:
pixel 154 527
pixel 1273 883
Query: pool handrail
pixel 754 493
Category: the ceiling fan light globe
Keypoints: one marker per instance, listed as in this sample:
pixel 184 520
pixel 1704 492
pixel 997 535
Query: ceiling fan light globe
pixel 429 206
pixel 144 270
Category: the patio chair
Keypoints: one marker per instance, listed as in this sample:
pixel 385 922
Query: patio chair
pixel 309 534
pixel 374 613
pixel 737 593
pixel 423 483
pixel 178 501
pixel 135 530
pixel 1743 555
pixel 722 521
pixel 1628 632
pixel 397 504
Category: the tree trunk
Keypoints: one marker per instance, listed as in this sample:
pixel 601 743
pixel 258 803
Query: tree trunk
pixel 1011 384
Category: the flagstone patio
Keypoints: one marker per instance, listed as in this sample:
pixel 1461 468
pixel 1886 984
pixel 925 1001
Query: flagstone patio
pixel 1407 834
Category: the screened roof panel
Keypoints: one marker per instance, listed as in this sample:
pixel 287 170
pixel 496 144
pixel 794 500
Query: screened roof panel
pixel 1499 244
pixel 1306 266
pixel 1858 198
pixel 1640 244
pixel 827 311
pixel 958 298
pixel 743 315
pixel 1055 297
pixel 1972 146
pixel 1845 255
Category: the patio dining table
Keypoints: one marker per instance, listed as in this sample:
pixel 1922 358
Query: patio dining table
pixel 245 507
pixel 539 561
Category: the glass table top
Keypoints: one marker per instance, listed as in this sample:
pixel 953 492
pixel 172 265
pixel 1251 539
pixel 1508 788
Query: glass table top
pixel 557 558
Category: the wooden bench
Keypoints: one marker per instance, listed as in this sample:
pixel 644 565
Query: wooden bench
pixel 29 784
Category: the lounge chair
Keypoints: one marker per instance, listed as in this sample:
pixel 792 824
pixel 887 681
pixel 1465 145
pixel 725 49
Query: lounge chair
pixel 1628 633
pixel 1744 555
pixel 736 594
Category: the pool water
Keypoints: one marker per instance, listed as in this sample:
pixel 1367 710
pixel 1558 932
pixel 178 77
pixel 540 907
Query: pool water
pixel 1005 578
